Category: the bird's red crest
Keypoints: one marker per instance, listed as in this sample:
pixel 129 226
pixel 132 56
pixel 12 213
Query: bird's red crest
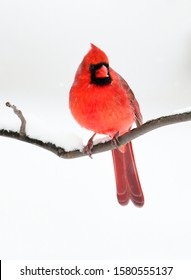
pixel 95 56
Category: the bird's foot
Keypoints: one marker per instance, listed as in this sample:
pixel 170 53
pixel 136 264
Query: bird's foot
pixel 115 141
pixel 88 148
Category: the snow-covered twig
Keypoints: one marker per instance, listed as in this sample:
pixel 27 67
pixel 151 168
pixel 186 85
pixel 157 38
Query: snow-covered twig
pixel 101 147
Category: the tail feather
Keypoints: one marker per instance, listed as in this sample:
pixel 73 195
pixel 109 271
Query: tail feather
pixel 122 190
pixel 127 179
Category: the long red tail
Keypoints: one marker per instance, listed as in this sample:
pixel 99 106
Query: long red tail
pixel 127 179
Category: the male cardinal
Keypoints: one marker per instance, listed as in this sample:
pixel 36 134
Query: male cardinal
pixel 101 101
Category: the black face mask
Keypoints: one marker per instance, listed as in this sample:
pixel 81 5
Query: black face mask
pixel 98 80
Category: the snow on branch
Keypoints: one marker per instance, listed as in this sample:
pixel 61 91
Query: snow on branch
pixel 99 148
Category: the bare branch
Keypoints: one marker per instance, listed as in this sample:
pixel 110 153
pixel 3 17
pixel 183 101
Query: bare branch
pixel 19 114
pixel 101 147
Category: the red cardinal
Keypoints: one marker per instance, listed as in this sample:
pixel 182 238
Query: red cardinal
pixel 102 101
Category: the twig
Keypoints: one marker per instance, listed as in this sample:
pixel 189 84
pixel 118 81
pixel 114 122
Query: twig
pixel 101 147
pixel 19 114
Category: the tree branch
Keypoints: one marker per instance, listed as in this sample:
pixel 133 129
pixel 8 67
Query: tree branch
pixel 101 147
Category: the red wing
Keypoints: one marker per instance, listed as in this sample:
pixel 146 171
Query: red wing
pixel 124 84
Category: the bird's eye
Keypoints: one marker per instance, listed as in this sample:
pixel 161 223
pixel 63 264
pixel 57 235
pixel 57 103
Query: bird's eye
pixel 92 67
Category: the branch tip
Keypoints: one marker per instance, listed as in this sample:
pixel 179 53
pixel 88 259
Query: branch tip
pixel 8 104
pixel 19 114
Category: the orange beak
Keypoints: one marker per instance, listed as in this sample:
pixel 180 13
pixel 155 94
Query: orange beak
pixel 102 72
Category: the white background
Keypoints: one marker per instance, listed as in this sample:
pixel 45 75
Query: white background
pixel 52 208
